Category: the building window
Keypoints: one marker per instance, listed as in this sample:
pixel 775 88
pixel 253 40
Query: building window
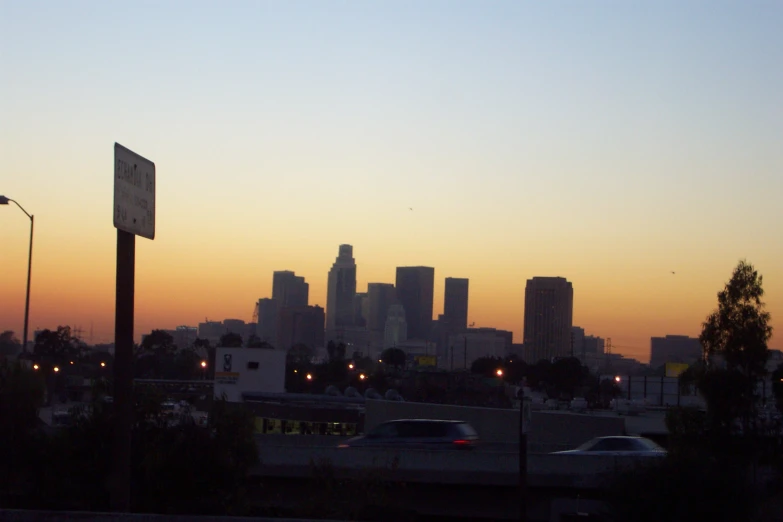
pixel 252 365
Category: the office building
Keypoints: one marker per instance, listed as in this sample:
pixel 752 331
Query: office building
pixel 549 305
pixel 266 326
pixel 340 290
pixel 300 325
pixel 380 296
pixel 592 345
pixel 211 331
pixel 674 349
pixel 361 308
pixel 578 342
pixel 475 343
pixel 415 292
pixel 289 290
pixel 455 304
pixel 396 329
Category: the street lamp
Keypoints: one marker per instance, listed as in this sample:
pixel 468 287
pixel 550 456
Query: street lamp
pixel 5 201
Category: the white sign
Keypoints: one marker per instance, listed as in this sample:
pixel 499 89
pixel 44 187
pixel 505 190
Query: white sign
pixel 134 193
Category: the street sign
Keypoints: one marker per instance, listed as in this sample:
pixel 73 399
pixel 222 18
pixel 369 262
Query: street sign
pixel 134 193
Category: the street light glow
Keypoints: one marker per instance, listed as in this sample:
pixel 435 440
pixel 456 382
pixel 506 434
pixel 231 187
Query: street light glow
pixel 362 376
pixel 617 379
pixel 350 366
pixel 35 367
pixel 499 372
pixel 56 369
pixel 103 364
pixel 309 377
pixel 203 364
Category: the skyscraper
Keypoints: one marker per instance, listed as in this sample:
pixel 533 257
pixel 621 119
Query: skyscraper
pixel 300 325
pixel 414 292
pixel 266 329
pixel 455 304
pixel 395 329
pixel 380 297
pixel 341 290
pixel 549 306
pixel 288 289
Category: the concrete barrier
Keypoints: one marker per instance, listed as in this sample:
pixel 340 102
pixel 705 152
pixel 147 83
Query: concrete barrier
pixel 18 515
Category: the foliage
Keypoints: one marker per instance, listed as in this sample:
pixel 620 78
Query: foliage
pixel 231 340
pixel 58 346
pixel 393 357
pixel 9 344
pixel 299 355
pixel 336 352
pixel 255 342
pixel 739 329
pixel 486 366
pixel 158 342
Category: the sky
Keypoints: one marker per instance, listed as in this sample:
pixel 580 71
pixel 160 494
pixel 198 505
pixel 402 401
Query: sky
pixel 607 142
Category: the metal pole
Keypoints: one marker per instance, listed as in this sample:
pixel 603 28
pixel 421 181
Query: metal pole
pixel 465 337
pixel 29 274
pixel 123 370
pixel 522 457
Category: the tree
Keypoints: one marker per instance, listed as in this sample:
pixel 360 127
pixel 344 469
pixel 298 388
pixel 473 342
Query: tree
pixel 255 341
pixel 158 342
pixel 9 344
pixel 393 357
pixel 736 332
pixel 300 355
pixel 231 340
pixel 739 329
pixel 336 352
pixel 57 346
pixel 567 375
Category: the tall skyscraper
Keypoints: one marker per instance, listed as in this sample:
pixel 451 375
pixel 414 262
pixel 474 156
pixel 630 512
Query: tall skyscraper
pixel 578 342
pixel 414 292
pixel 455 304
pixel 396 328
pixel 289 290
pixel 266 329
pixel 341 290
pixel 300 325
pixel 380 297
pixel 549 308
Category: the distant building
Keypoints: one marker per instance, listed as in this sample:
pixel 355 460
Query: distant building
pixel 455 304
pixel 549 305
pixel 674 348
pixel 361 306
pixel 211 331
pixel 474 344
pixel 415 287
pixel 578 342
pixel 235 326
pixel 396 331
pixel 266 327
pixel 248 370
pixel 340 290
pixel 290 290
pixel 380 296
pixel 300 325
pixel 183 336
pixel 593 345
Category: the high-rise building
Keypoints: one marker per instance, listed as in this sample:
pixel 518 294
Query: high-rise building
pixel 592 345
pixel 549 305
pixel 455 304
pixel 341 290
pixel 211 331
pixel 289 289
pixel 361 307
pixel 266 328
pixel 396 329
pixel 578 342
pixel 235 326
pixel 300 325
pixel 674 349
pixel 380 296
pixel 415 292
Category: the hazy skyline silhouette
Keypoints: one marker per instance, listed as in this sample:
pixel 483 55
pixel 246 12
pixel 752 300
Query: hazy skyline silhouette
pixel 609 144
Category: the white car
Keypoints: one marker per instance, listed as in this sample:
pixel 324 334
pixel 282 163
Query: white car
pixel 620 446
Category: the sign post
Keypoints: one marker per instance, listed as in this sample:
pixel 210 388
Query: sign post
pixel 134 214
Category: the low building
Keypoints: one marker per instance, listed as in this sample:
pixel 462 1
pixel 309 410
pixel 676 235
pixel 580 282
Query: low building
pixel 248 370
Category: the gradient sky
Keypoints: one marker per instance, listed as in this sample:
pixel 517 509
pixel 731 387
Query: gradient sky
pixel 606 142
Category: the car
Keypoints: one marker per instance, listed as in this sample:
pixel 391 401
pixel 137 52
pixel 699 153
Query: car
pixel 418 433
pixel 618 446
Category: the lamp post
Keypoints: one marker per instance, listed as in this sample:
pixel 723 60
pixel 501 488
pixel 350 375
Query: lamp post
pixel 5 201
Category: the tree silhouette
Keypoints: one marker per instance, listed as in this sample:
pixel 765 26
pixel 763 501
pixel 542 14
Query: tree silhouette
pixel 734 338
pixel 231 340
pixel 336 352
pixel 57 346
pixel 158 342
pixel 9 344
pixel 486 366
pixel 393 357
pixel 300 355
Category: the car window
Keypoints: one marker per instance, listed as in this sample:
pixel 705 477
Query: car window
pixel 423 429
pixel 384 431
pixel 648 445
pixel 601 445
pixel 466 430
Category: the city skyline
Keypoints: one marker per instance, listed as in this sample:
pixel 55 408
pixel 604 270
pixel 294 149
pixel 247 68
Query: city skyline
pixel 608 145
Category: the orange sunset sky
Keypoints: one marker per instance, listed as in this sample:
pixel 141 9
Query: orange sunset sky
pixel 608 145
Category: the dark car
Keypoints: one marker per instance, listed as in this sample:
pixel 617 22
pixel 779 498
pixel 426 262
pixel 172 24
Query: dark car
pixel 418 433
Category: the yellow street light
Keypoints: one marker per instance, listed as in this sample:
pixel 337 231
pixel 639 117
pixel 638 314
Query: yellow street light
pixel 499 372
pixel 103 364
pixel 350 366
pixel 362 376
pixel 203 364
pixel 309 377
pixel 56 369
pixel 35 367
